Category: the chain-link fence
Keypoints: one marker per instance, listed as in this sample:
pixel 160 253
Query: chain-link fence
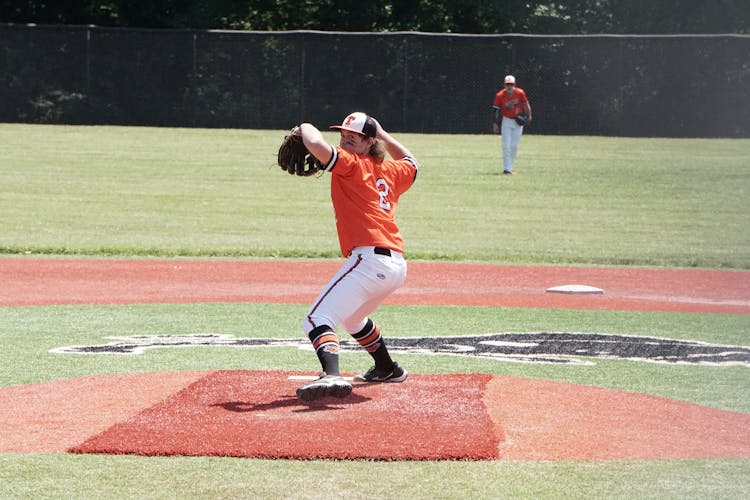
pixel 671 86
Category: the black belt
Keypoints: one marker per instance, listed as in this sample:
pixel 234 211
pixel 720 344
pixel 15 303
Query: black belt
pixel 382 251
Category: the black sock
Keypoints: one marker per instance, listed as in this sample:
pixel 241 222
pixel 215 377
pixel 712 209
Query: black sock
pixel 326 345
pixel 369 337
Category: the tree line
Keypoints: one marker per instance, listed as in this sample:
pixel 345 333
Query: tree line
pixel 438 16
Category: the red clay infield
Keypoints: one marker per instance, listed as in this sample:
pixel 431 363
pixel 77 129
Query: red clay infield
pixel 255 414
pixel 31 281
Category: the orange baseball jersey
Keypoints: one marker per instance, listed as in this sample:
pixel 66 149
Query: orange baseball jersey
pixel 365 194
pixel 510 105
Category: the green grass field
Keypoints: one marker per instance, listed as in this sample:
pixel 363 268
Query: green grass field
pixel 141 192
pixel 164 192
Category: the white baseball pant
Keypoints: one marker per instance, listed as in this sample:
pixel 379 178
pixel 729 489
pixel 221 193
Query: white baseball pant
pixel 511 138
pixel 356 290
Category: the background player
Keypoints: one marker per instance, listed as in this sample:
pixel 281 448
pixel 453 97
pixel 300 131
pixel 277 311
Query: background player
pixel 509 103
pixel 365 190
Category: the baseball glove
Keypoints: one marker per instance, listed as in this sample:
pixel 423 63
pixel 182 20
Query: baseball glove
pixel 294 158
pixel 522 119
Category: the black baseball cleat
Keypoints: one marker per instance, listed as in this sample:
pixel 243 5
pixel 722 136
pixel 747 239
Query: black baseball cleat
pixel 326 385
pixel 375 374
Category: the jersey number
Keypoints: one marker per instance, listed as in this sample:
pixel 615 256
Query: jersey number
pixel 383 191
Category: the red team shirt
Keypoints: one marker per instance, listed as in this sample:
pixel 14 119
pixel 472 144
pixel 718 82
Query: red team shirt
pixel 510 105
pixel 365 194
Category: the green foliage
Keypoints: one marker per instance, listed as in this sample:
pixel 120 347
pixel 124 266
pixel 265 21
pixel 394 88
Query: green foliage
pixel 454 16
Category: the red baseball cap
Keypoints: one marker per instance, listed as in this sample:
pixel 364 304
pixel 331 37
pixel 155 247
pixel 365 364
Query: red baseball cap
pixel 359 123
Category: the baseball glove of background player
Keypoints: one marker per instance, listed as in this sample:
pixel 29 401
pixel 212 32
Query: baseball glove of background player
pixel 522 119
pixel 294 158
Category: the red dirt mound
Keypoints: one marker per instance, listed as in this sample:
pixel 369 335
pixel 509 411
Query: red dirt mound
pixel 52 416
pixel 543 420
pixel 255 414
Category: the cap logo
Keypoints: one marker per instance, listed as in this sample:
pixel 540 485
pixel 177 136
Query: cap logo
pixel 360 123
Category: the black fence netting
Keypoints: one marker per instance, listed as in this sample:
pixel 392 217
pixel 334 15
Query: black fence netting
pixel 668 86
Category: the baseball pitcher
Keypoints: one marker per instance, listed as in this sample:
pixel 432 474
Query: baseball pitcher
pixel 365 191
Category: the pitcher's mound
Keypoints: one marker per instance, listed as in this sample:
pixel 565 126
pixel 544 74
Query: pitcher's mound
pixel 448 416
pixel 255 414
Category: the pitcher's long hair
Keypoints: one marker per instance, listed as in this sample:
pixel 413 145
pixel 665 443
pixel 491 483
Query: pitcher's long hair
pixel 377 150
